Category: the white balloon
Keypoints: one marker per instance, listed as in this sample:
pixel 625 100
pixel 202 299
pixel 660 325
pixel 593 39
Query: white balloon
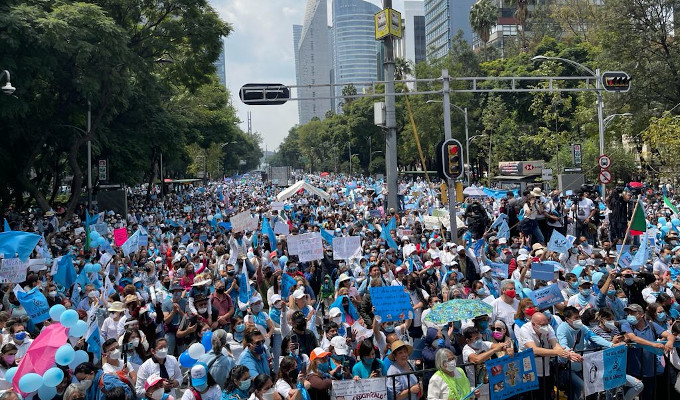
pixel 196 350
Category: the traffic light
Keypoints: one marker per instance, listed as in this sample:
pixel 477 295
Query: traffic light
pixel 267 94
pixel 615 81
pixel 452 159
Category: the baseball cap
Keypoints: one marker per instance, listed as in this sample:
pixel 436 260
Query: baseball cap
pixel 299 293
pixel 502 240
pixel 523 257
pixel 485 268
pixel 340 345
pixel 152 381
pixel 318 353
pixel 275 298
pixel 459 249
pixel 199 374
pixel 633 308
pixel 334 312
pixel 298 316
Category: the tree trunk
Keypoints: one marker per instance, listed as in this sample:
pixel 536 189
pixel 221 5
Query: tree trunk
pixel 152 174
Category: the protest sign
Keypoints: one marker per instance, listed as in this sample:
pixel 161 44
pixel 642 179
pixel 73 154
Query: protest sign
pixel 542 271
pixel 498 270
pixel 101 228
pixel 440 213
pixel 281 228
pixel 35 304
pixel 625 260
pixel 243 222
pixel 432 222
pixel 546 296
pixel 119 236
pixel 276 206
pixel 374 213
pixel 626 248
pixel 604 370
pixel 374 388
pixel 558 242
pixel 391 303
pixel 509 376
pixel 307 247
pixel 187 209
pixel 345 248
pixel 13 270
pixel 144 238
pixel 131 245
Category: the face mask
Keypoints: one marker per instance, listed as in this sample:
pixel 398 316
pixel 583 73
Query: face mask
pixel 9 359
pixel 158 394
pixel 256 308
pixel 497 335
pixel 510 293
pixel 368 360
pixel 611 325
pixel 135 342
pixel 667 257
pixel 115 355
pixel 450 366
pixel 292 374
pixel 244 385
pixel 202 310
pixel 20 336
pixel 629 281
pixel 530 311
pixel 53 293
pixel 574 285
pixel 661 316
pixel 484 325
pixel 585 292
pixel 577 324
pixel 624 301
pixel 240 328
pixel 632 319
pixel 324 366
pixel 220 290
pixel 389 328
pixel 162 353
pixel 544 330
pixel 476 344
pixel 259 349
pixel 482 292
pixel 176 295
pixel 582 262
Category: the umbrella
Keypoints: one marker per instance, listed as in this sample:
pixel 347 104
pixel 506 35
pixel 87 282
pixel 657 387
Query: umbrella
pixel 473 191
pixel 325 174
pixel 40 354
pixel 635 184
pixel 458 309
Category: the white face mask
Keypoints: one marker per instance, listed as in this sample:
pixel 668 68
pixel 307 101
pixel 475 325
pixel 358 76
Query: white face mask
pixel 450 366
pixel 544 330
pixel 268 395
pixel 114 355
pixel 202 310
pixel 162 353
pixel 157 394
pixel 611 325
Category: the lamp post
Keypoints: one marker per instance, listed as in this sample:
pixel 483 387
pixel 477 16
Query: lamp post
pixel 598 90
pixel 464 111
pixel 608 119
pixel 7 88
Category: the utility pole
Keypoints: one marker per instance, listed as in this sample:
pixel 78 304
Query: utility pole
pixel 447 135
pixel 390 120
pixel 89 157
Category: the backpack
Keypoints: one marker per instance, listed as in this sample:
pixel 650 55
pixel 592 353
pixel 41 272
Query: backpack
pixel 110 381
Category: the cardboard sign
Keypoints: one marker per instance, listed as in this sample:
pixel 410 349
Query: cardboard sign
pixel 546 296
pixel 509 376
pixel 542 271
pixel 374 388
pixel 281 228
pixel 13 270
pixel 307 247
pixel 276 205
pixel 392 303
pixel 345 248
pixel 243 222
pixel 119 236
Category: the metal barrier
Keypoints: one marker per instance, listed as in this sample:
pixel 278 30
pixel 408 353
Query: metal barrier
pixel 562 379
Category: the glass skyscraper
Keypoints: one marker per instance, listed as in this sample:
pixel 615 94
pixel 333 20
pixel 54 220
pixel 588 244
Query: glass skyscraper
pixel 443 20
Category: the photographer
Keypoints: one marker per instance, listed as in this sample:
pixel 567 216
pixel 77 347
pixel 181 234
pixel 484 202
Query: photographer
pixel 620 205
pixel 584 210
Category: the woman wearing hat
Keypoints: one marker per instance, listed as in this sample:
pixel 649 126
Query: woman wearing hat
pixel 405 385
pixel 114 324
pixel 450 381
pixel 320 375
pixel 153 389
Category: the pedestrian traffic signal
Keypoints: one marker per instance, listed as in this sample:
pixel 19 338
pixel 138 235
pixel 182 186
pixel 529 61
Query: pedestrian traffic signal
pixel 616 81
pixel 452 159
pixel 258 94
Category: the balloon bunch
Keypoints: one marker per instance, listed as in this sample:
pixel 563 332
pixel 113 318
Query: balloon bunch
pixel 89 268
pixel 46 384
pixel 665 226
pixel 96 239
pixel 191 355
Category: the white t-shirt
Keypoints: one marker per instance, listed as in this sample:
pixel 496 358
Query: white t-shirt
pixel 380 340
pixel 528 334
pixel 415 300
pixel 583 208
pixel 470 369
pixel 213 393
pixel 112 369
pixel 504 311
pixel 283 388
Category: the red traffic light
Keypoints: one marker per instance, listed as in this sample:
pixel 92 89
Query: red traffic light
pixel 453 150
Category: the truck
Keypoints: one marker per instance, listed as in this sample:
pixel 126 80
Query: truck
pixel 281 176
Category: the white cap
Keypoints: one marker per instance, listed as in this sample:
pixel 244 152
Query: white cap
pixel 275 298
pixel 343 277
pixel 502 240
pixel 485 269
pixel 334 312
pixel 299 293
pixel 523 257
pixel 459 249
pixel 523 251
pixel 340 345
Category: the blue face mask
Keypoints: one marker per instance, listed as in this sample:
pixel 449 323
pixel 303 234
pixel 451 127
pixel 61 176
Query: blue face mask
pixel 661 316
pixel 484 325
pixel 574 285
pixel 586 292
pixel 240 328
pixel 259 349
pixel 611 292
pixel 632 319
pixel 368 360
pixel 324 366
pixel 629 281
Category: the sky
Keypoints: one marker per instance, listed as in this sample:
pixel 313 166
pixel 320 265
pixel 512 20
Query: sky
pixel 260 50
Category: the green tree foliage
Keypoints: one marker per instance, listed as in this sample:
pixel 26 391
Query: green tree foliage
pixel 483 17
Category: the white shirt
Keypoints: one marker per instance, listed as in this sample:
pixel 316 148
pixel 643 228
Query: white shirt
pixel 504 311
pixel 415 300
pixel 213 393
pixel 112 329
pixel 112 369
pixel 650 294
pixel 660 267
pixel 584 208
pixel 283 388
pixel 528 334
pixel 150 367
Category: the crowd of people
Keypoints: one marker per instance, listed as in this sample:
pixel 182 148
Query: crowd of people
pixel 174 323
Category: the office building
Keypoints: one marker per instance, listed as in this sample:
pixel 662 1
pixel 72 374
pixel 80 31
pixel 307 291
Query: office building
pixel 313 62
pixel 414 30
pixel 443 20
pixel 221 67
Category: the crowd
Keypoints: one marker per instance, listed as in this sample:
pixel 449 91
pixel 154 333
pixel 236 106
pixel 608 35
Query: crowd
pixel 203 312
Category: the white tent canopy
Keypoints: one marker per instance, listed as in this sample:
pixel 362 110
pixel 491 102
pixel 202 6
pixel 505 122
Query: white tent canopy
pixel 291 190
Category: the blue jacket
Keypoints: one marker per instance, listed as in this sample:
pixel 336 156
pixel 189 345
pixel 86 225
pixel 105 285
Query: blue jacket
pixel 255 366
pixel 566 336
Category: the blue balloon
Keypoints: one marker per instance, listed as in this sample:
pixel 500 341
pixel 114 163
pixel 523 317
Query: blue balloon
pixel 56 311
pixel 675 221
pixel 69 318
pixel 79 329
pixel 64 355
pixel 96 267
pixel 80 357
pixel 30 382
pixel 10 374
pixel 47 392
pixel 206 341
pixel 185 360
pixel 94 235
pixel 53 376
pixel 101 242
pixel 662 220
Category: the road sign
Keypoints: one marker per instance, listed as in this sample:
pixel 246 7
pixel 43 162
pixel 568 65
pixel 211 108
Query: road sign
pixel 103 171
pixel 258 94
pixel 604 161
pixel 605 176
pixel 576 154
pixel 615 81
pixel 547 174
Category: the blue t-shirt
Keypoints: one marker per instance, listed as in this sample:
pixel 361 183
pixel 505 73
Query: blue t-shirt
pixel 363 371
pixel 640 361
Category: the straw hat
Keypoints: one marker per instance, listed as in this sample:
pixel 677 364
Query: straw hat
pixel 396 345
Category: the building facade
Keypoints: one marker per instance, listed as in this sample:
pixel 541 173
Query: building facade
pixel 221 66
pixel 414 34
pixel 443 20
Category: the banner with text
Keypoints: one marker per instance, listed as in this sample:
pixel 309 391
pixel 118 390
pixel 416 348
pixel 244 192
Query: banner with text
pixel 546 296
pixel 604 370
pixel 374 388
pixel 13 270
pixel 307 247
pixel 392 303
pixel 243 222
pixel 345 248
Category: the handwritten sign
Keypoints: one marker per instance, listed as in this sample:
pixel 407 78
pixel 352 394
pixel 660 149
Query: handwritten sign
pixel 374 213
pixel 13 270
pixel 498 270
pixel 559 243
pixel 281 228
pixel 546 296
pixel 542 271
pixel 374 388
pixel 604 370
pixel 391 303
pixel 307 247
pixel 243 222
pixel 345 248
pixel 509 376
pixel 119 236
pixel 276 206
pixel 625 260
pixel 35 304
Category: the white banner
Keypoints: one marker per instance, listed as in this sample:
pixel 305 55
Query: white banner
pixel 276 205
pixel 13 270
pixel 374 388
pixel 604 370
pixel 243 222
pixel 307 247
pixel 345 248
pixel 281 228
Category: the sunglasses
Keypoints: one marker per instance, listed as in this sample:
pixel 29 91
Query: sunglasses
pixel 497 329
pixel 259 342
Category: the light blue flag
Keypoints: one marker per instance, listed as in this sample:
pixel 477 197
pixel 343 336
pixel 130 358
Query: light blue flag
pixel 269 232
pixel 503 230
pixel 131 244
pixel 243 286
pixel 327 237
pixel 7 228
pixel 640 258
pixel 558 242
pixel 479 245
pixel 94 343
pixel 385 235
pixel 392 225
pixel 143 237
pixel 66 272
pixel 287 282
pixel 18 242
pixel 499 220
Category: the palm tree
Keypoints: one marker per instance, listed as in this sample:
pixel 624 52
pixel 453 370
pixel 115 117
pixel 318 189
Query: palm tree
pixel 521 15
pixel 483 17
pixel 402 68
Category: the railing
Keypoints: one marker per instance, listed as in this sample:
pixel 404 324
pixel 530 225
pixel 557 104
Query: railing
pixel 559 384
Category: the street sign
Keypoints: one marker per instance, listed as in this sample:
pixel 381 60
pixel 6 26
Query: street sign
pixel 103 171
pixel 547 174
pixel 267 94
pixel 615 81
pixel 605 176
pixel 604 161
pixel 576 155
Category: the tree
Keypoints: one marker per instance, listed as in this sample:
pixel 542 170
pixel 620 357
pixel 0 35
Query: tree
pixel 522 15
pixel 483 17
pixel 402 68
pixel 663 141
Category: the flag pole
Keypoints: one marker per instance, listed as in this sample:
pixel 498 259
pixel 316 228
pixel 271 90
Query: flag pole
pixel 625 238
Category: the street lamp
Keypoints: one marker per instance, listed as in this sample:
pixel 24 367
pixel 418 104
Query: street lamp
pixel 7 89
pixel 598 90
pixel 609 118
pixel 464 111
